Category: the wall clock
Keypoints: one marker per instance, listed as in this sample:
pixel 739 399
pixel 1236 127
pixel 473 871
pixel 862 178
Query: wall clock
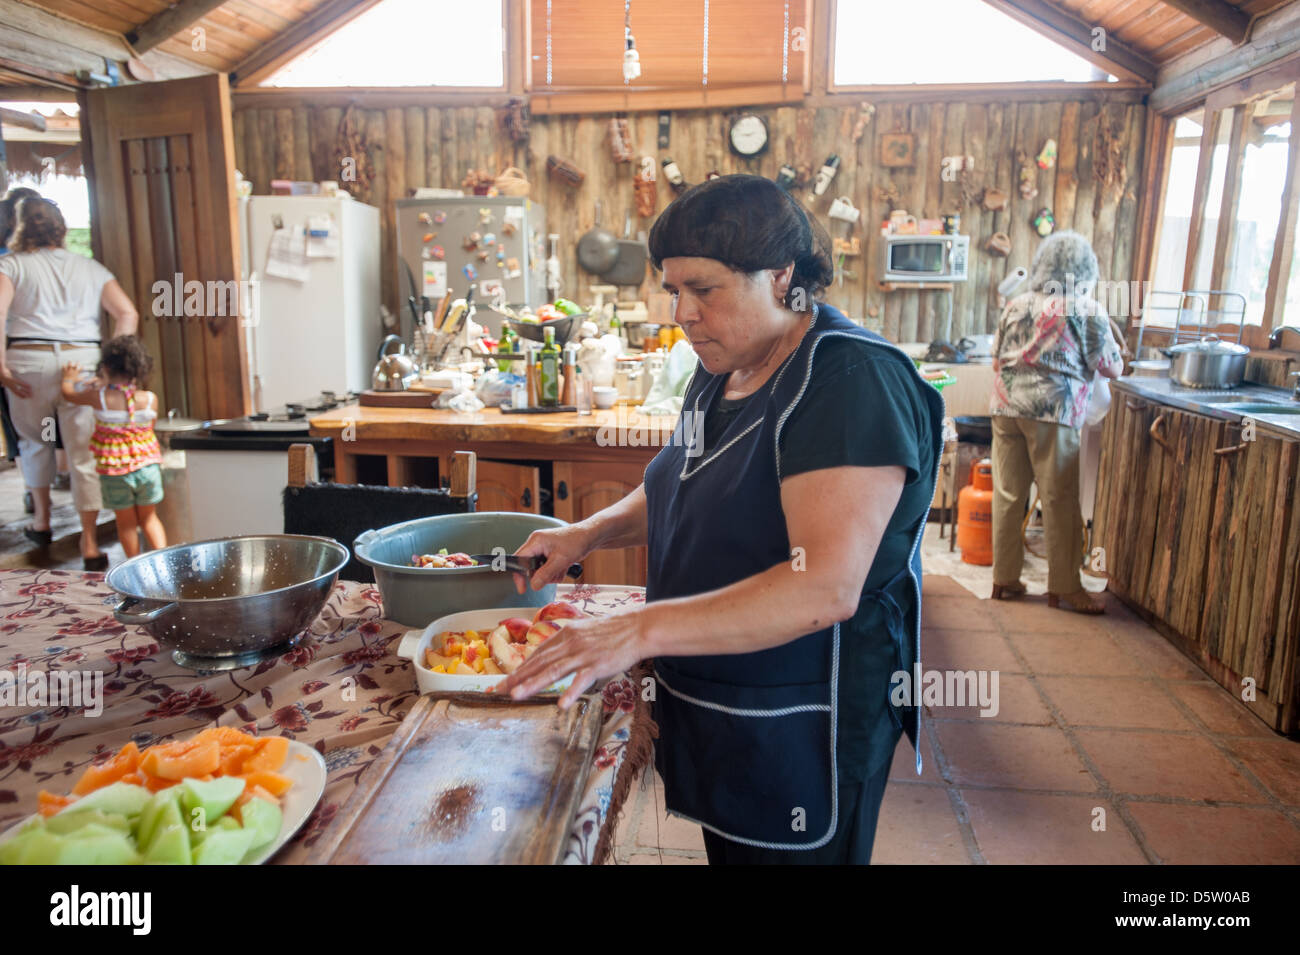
pixel 748 135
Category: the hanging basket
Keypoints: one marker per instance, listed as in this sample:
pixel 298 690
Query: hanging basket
pixel 512 182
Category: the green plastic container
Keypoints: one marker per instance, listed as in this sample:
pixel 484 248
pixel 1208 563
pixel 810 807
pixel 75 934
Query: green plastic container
pixel 416 596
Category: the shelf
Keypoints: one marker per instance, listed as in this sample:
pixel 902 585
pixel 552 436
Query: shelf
pixel 901 286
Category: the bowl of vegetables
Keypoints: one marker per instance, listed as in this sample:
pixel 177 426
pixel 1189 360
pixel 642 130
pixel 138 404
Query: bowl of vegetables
pixel 421 571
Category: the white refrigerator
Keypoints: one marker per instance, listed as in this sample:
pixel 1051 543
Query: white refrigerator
pixel 316 324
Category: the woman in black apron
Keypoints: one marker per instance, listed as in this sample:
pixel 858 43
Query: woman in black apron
pixel 783 525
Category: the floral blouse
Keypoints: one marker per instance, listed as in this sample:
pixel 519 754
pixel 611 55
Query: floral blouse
pixel 1045 355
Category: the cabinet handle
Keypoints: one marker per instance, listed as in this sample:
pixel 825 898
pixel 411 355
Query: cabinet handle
pixel 1156 436
pixel 562 492
pixel 527 498
pixel 1224 452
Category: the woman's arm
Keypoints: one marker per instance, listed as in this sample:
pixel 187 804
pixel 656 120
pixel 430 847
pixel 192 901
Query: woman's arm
pixel 19 387
pixel 819 586
pixel 115 301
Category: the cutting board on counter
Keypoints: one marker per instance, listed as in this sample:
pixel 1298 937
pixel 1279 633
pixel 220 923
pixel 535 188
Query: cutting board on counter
pixel 470 778
pixel 414 397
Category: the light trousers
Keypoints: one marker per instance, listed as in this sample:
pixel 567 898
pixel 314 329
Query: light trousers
pixel 34 417
pixel 1027 452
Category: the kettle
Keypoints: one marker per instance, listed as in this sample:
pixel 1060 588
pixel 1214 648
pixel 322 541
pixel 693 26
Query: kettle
pixel 396 369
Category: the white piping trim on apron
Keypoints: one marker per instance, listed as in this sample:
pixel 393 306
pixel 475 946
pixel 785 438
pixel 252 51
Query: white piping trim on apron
pixel 776 380
pixel 735 711
pixel 934 483
pixel 835 789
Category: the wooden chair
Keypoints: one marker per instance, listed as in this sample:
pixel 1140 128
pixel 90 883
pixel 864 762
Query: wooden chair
pixel 342 511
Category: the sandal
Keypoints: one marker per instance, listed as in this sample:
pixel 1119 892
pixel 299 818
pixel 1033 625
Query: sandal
pixel 98 562
pixel 39 538
pixel 1009 591
pixel 1080 602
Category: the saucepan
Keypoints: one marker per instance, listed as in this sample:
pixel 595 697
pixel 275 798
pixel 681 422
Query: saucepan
pixel 1209 363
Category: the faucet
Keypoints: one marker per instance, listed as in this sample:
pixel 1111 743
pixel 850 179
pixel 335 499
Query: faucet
pixel 1296 375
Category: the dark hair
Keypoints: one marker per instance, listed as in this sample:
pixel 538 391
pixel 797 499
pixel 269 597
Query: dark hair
pixel 125 357
pixel 40 226
pixel 8 210
pixel 747 223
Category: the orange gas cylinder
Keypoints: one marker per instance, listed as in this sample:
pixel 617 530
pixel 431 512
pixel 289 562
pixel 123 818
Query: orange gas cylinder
pixel 975 515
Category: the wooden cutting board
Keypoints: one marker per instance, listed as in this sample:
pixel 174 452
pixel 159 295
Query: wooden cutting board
pixel 411 398
pixel 473 779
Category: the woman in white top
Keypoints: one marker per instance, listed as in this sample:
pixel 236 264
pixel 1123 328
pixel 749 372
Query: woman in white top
pixel 50 301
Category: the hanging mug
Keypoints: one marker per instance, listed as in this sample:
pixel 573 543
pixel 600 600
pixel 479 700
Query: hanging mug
pixel 844 210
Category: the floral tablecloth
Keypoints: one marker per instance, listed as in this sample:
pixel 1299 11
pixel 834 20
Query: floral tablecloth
pixel 59 620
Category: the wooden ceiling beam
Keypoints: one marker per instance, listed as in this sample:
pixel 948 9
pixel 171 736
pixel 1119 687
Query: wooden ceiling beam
pixel 15 117
pixel 1076 36
pixel 1219 15
pixel 162 26
pixel 296 40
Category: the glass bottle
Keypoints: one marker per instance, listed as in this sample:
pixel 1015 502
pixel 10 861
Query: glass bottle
pixel 548 378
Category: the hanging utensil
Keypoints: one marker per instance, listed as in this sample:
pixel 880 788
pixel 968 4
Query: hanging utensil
pixel 597 248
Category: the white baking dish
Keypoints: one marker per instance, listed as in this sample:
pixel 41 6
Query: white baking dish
pixel 416 644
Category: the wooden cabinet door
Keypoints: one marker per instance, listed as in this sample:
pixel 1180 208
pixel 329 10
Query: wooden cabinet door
pixel 583 488
pixel 1249 613
pixel 1184 463
pixel 508 487
pixel 164 223
pixel 1127 491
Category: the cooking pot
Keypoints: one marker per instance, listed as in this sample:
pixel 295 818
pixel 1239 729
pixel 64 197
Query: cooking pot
pixel 1209 363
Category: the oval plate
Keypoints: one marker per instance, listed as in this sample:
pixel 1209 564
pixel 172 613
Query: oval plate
pixel 305 766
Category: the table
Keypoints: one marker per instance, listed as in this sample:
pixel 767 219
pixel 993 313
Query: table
pixel 343 690
pixel 581 463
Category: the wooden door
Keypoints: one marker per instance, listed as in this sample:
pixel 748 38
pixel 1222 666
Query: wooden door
pixel 508 487
pixel 163 217
pixel 1127 492
pixel 581 489
pixel 1249 610
pixel 1183 454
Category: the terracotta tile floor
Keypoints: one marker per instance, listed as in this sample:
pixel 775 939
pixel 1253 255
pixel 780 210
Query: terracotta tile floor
pixel 1109 747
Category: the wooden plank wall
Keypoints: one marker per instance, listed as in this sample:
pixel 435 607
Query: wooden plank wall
pixel 409 146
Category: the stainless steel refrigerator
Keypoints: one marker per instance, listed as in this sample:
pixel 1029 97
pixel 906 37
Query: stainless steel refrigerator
pixel 489 243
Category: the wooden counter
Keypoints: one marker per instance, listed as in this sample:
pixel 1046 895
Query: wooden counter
pixel 576 464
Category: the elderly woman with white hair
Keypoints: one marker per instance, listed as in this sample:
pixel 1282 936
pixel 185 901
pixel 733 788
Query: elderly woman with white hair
pixel 1050 342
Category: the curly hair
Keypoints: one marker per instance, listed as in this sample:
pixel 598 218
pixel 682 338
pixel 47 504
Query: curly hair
pixel 40 226
pixel 748 223
pixel 8 210
pixel 1064 264
pixel 125 357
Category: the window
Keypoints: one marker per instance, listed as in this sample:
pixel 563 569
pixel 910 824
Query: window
pixel 934 42
pixel 1176 216
pixel 407 43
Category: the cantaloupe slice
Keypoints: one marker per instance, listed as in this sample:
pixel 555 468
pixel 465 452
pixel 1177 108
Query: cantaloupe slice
pixel 48 804
pixel 110 771
pixel 269 753
pixel 271 782
pixel 193 758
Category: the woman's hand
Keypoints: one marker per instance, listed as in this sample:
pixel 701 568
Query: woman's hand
pixel 561 546
pixel 19 387
pixel 591 648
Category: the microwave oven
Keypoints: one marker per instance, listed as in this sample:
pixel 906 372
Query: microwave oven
pixel 926 258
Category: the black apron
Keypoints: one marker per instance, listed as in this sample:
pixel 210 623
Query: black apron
pixel 747 742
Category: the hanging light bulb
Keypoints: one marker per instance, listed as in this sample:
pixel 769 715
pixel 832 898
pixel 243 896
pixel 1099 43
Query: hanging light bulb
pixel 631 58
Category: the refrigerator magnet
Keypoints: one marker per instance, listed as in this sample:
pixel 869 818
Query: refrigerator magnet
pixel 483 255
pixel 425 218
pixel 440 217
pixel 490 238
pixel 429 237
pixel 484 215
pixel 471 273
pixel 509 228
pixel 437 252
pixel 512 264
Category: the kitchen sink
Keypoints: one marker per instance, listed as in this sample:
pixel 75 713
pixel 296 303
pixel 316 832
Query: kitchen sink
pixel 1261 407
